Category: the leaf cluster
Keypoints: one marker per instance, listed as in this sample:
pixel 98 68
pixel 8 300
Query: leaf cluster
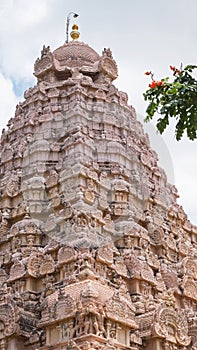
pixel 176 99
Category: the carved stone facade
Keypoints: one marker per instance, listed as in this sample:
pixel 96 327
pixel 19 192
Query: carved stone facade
pixel 95 252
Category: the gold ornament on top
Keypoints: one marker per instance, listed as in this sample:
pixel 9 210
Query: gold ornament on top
pixel 75 33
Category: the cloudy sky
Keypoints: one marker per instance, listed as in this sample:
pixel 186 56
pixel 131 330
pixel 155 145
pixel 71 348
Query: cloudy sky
pixel 143 35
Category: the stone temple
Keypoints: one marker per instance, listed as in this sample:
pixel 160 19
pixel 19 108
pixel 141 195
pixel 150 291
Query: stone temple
pixel 95 252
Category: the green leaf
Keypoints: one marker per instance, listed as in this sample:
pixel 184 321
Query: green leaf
pixel 175 99
pixel 151 109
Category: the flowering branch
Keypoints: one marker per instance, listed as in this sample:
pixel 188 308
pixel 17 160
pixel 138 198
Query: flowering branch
pixel 174 99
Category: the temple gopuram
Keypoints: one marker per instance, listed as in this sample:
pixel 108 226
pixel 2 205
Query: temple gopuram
pixel 95 252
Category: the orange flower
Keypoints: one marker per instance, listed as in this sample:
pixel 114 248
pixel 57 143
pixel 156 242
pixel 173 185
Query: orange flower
pixel 153 85
pixel 147 73
pixel 172 68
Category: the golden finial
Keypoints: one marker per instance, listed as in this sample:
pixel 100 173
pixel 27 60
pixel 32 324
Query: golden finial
pixel 75 34
pixel 75 15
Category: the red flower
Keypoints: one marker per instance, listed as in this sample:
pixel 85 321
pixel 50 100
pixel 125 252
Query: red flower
pixel 172 68
pixel 153 85
pixel 147 73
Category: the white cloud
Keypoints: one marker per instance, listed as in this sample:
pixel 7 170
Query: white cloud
pixel 8 100
pixel 19 35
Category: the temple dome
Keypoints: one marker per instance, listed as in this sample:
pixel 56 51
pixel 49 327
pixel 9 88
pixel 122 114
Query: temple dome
pixel 73 57
pixel 76 53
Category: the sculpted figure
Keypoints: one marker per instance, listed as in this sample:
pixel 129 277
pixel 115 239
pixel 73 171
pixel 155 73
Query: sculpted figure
pixel 68 330
pixel 80 322
pixel 45 51
pixel 100 320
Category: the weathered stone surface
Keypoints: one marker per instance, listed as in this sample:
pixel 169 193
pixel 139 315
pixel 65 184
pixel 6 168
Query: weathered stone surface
pixel 95 252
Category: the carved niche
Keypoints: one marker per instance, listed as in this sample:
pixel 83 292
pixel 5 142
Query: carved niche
pixel 172 325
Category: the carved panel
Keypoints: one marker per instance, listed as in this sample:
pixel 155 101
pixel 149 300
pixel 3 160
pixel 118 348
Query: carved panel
pixel 17 270
pixel 172 325
pixel 47 265
pixel 119 310
pixel 66 255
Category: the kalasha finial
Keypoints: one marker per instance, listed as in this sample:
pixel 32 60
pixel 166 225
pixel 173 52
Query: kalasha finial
pixel 75 15
pixel 75 34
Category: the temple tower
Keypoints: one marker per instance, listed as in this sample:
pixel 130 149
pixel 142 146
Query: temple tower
pixel 95 252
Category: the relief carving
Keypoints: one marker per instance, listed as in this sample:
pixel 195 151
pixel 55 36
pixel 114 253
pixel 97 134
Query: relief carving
pixel 172 326
pixel 95 252
pixel 17 270
pixel 47 265
pixel 119 310
pixel 34 263
pixel 108 65
pixel 13 186
pixel 64 306
pixel 66 255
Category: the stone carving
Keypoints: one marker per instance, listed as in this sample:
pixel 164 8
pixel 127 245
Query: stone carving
pixel 35 262
pixel 108 65
pixel 13 186
pixel 105 255
pixel 17 270
pixel 64 306
pixel 189 287
pixel 52 179
pixel 170 278
pixel 45 63
pixel 66 255
pixel 95 252
pixel 47 266
pixel 121 311
pixel 139 268
pixel 90 320
pixel 189 267
pixel 8 320
pixel 120 267
pixel 3 276
pixel 172 326
pixel 89 193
